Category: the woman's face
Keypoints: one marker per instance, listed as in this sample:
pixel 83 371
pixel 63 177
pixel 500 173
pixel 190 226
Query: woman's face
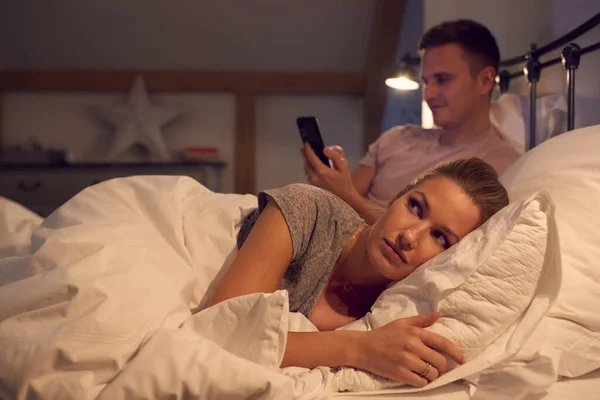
pixel 421 224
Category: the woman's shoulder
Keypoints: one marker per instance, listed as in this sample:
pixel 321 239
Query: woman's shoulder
pixel 302 193
pixel 312 206
pixel 299 189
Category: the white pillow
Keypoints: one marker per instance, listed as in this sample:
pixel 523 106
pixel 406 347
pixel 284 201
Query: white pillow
pixel 568 166
pixel 17 224
pixel 510 115
pixel 482 287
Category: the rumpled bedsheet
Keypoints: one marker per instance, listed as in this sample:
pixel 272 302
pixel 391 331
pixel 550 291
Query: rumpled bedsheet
pixel 110 303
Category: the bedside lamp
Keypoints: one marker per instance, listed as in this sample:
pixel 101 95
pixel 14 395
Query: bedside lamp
pixel 405 78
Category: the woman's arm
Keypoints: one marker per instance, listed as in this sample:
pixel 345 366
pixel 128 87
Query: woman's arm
pixel 263 259
pixel 313 349
pixel 397 350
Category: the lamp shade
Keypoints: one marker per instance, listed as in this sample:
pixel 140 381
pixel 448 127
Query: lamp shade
pixel 405 77
pixel 402 82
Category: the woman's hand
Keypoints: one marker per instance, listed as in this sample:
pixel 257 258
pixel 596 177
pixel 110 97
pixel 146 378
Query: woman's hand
pixel 402 350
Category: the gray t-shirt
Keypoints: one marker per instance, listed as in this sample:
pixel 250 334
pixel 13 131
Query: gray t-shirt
pixel 320 224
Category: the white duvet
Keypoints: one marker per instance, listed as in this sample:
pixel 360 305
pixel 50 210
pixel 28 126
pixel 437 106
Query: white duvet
pixel 103 306
pixel 110 304
pixel 16 225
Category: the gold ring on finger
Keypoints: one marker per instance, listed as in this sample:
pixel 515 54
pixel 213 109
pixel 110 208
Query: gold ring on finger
pixel 427 368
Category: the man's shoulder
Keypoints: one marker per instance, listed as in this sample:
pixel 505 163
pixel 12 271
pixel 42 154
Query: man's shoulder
pixel 504 146
pixel 501 154
pixel 504 150
pixel 409 132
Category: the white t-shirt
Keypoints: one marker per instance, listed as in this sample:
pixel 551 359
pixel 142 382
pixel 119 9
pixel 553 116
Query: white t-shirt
pixel 404 152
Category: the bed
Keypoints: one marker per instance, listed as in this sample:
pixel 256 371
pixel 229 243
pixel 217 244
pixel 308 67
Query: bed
pixel 17 224
pixel 192 230
pixel 584 387
pixel 97 349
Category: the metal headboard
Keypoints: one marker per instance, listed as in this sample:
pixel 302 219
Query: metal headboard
pixel 570 58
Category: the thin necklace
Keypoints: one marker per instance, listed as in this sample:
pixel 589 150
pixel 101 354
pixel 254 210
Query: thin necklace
pixel 347 283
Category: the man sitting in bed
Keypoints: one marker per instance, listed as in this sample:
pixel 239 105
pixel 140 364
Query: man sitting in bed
pixel 459 60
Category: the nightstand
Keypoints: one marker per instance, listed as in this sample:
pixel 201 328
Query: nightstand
pixel 43 188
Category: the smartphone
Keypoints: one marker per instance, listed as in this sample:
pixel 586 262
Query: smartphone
pixel 311 134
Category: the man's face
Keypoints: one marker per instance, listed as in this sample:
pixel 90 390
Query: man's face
pixel 449 88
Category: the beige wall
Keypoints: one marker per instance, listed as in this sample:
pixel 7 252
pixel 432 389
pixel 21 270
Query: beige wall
pixel 569 14
pixel 303 35
pixel 300 35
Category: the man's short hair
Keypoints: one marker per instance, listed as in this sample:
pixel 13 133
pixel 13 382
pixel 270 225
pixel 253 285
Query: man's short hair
pixel 475 39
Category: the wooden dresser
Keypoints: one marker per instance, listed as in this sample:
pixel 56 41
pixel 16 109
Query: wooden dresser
pixel 43 188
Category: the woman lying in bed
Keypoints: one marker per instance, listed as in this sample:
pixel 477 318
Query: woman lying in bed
pixel 334 266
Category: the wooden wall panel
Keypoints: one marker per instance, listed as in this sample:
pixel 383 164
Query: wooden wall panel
pixel 381 61
pixel 246 85
pixel 245 143
pixel 183 81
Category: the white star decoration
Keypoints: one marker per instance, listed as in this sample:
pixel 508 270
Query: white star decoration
pixel 139 122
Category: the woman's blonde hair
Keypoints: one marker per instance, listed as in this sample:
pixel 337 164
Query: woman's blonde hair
pixel 476 178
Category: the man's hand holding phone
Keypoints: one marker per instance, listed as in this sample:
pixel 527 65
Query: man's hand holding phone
pixel 336 179
pixel 325 167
